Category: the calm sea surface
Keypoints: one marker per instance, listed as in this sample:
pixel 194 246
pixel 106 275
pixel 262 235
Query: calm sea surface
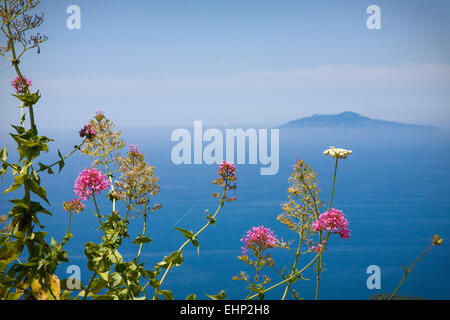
pixel 394 190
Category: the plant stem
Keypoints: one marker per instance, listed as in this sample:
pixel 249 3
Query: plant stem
pixel 334 181
pixel 106 239
pixel 98 212
pixel 187 242
pixel 258 267
pixel 319 261
pixel 95 273
pixel 68 155
pixel 294 266
pixel 143 234
pixel 409 270
pixel 110 180
pixel 22 123
pixel 15 63
pixel 100 222
pixel 287 286
pixel 287 279
pixel 86 292
pixel 67 237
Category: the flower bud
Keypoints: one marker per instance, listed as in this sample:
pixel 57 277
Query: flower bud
pixel 437 241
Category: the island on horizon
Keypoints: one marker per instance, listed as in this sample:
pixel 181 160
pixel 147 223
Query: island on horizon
pixel 349 119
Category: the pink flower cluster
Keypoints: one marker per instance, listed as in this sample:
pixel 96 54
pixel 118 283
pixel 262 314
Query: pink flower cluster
pixel 260 238
pixel 333 221
pixel 226 168
pixel 90 181
pixel 19 86
pixel 134 150
pixel 317 247
pixel 88 131
pixel 74 205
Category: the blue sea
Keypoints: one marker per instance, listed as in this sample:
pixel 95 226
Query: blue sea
pixel 394 190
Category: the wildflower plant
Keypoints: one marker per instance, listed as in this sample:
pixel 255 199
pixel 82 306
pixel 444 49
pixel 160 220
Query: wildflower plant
pixel 125 179
pixel 302 215
pixel 33 274
pixel 257 240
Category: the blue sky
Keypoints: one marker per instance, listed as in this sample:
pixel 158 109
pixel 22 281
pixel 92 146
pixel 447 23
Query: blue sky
pixel 238 63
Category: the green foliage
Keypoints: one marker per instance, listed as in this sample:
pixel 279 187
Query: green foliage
pixel 220 296
pixel 189 235
pixel 3 155
pixel 142 239
pixel 10 250
pixel 28 99
pixel 113 277
pixel 167 294
pixel 174 259
pixel 29 145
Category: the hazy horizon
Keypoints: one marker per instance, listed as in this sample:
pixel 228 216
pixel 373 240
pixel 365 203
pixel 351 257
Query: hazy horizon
pixel 167 64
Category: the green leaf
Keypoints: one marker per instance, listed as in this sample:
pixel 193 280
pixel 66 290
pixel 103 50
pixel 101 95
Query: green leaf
pixel 28 99
pixel 147 273
pixel 195 242
pixel 36 220
pixel 175 258
pixel 43 167
pixel 142 239
pixel 11 250
pixel 220 296
pixel 61 165
pixel 20 203
pixel 39 236
pixel 3 154
pixel 36 207
pixel 19 129
pixel 167 294
pixel 121 267
pixel 155 283
pixel 35 177
pixel 38 190
pixel 116 279
pixel 27 164
pixel 18 181
pixel 187 234
pixel 105 297
pixel 115 257
pixel 191 297
pixel 97 285
pixel 3 170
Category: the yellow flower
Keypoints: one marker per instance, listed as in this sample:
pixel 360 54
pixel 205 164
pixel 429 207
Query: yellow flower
pixel 437 241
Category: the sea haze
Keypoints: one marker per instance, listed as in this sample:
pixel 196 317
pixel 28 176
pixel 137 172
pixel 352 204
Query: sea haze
pixel 393 189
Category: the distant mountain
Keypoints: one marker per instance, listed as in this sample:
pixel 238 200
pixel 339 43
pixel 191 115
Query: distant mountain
pixel 348 120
